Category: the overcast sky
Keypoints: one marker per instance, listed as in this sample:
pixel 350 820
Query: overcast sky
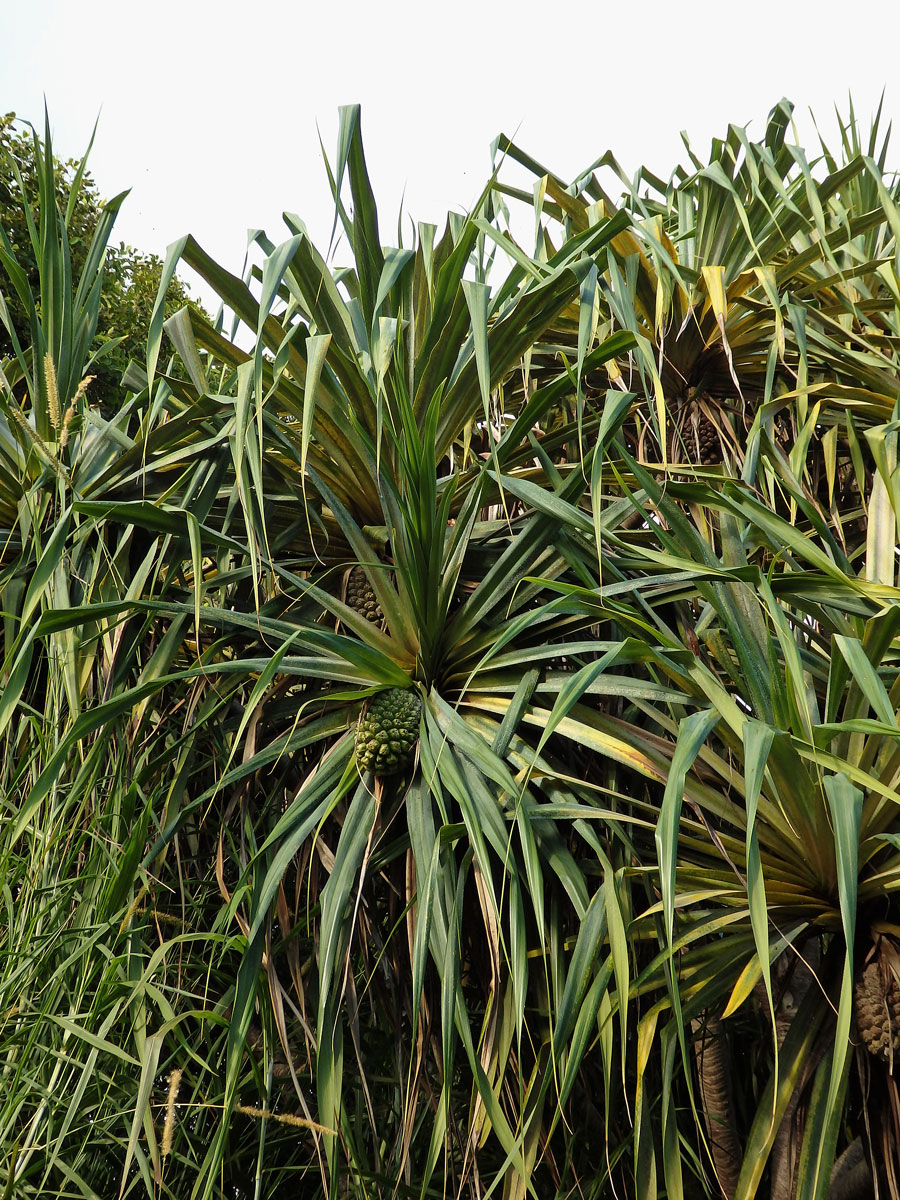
pixel 211 113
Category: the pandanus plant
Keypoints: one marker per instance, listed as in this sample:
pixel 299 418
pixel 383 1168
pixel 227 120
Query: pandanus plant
pixel 435 905
pixel 791 857
pixel 760 286
pixel 775 784
pixel 772 870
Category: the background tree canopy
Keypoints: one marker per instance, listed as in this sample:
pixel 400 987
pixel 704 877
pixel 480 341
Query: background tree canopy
pixel 130 276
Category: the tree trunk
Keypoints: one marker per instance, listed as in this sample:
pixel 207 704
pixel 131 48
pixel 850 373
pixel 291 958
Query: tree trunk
pixel 851 1178
pixel 793 979
pixel 713 1062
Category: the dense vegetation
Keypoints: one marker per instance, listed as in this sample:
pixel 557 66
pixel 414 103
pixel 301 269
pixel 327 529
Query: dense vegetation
pixel 450 744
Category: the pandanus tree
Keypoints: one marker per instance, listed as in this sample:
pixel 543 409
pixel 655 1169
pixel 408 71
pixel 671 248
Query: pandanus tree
pixel 380 404
pixel 760 288
pixel 761 295
pixel 770 940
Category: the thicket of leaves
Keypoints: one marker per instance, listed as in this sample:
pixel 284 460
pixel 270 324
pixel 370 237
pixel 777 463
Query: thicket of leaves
pixel 622 519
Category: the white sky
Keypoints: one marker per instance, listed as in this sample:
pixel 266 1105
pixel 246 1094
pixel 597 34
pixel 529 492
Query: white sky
pixel 209 111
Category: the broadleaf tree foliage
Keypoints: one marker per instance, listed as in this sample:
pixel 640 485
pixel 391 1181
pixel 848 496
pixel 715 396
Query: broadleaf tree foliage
pixel 130 276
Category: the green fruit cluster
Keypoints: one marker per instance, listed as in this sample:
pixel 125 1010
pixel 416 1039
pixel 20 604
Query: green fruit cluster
pixel 360 596
pixel 388 731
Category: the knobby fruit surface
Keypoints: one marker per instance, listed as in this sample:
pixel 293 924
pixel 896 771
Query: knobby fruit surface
pixel 388 730
pixel 361 597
